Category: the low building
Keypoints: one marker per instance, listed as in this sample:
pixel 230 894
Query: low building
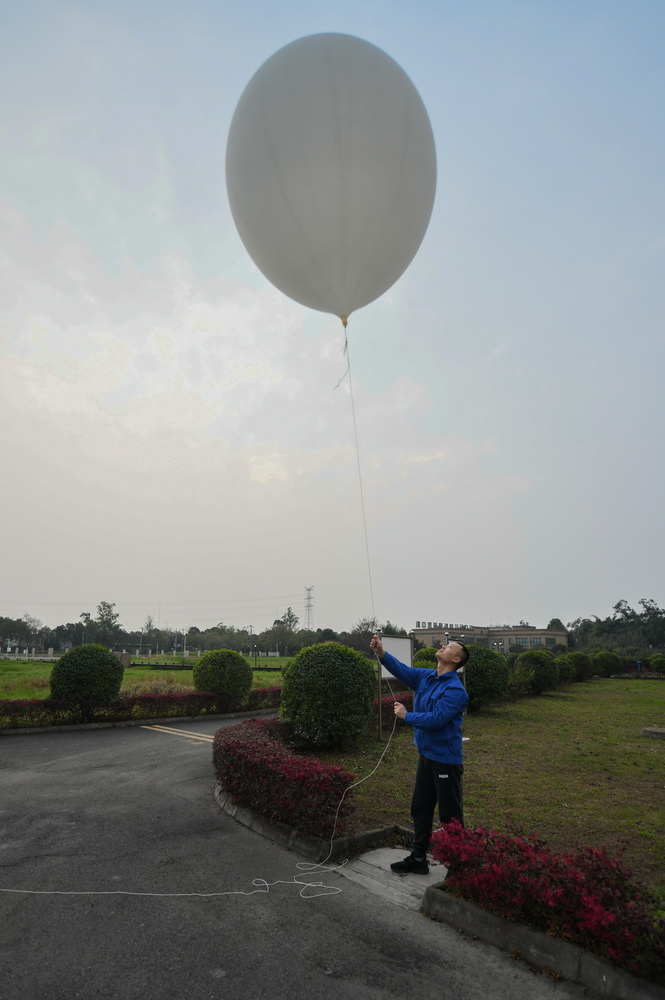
pixel 499 637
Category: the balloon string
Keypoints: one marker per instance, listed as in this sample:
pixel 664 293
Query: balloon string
pixel 342 378
pixel 345 352
pixel 360 477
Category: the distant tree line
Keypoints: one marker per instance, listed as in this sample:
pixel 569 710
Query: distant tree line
pixel 283 637
pixel 626 631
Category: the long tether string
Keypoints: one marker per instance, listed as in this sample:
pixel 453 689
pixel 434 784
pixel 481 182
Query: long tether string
pixel 359 466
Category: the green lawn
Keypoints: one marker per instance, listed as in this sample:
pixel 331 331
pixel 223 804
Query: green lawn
pixel 24 679
pixel 570 765
pixel 30 679
pixel 169 660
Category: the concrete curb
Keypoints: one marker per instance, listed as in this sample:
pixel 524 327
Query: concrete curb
pixel 300 843
pixel 31 731
pixel 547 953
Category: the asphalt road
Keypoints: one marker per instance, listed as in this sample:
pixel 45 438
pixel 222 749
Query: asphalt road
pixel 132 809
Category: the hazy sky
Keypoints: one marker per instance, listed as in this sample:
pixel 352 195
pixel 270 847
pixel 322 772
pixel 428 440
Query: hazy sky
pixel 171 438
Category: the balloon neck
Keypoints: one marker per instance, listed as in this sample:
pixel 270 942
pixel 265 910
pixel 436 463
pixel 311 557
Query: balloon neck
pixel 345 320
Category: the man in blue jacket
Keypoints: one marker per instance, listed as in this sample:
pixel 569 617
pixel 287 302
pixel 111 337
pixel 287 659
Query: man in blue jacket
pixel 439 701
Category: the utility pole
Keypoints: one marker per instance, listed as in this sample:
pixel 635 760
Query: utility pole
pixel 309 609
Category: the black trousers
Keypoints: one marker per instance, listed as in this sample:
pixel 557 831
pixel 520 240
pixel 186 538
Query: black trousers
pixel 435 783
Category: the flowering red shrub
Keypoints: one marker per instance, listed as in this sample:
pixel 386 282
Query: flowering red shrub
pixel 585 896
pixel 258 770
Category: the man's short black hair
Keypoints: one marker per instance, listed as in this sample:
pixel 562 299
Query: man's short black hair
pixel 465 654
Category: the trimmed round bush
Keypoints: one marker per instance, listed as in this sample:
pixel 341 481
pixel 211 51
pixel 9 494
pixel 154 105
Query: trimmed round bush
pixel 327 695
pixel 583 666
pixel 226 674
pixel 606 663
pixel 88 676
pixel 544 667
pixel 658 663
pixel 486 677
pixel 566 668
pixel 425 657
pixel 520 677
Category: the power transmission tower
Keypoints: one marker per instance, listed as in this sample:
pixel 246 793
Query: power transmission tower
pixel 309 608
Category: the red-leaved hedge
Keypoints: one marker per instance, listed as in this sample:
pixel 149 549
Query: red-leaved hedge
pixel 24 713
pixel 584 896
pixel 387 709
pixel 258 770
pixel 269 697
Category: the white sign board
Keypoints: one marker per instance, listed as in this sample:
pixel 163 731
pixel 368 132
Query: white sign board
pixel 399 646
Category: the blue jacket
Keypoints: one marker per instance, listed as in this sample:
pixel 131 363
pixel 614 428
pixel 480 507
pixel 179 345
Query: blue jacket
pixel 438 710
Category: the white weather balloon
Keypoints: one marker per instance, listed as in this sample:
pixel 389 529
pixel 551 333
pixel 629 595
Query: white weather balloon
pixel 331 171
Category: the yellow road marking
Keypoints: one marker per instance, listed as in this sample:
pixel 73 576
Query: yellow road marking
pixel 202 737
pixel 189 732
pixel 181 732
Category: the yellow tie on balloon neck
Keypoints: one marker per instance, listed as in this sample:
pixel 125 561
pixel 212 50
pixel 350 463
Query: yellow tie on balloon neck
pixel 345 320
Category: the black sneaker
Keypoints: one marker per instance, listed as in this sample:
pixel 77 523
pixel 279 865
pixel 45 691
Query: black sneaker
pixel 411 866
